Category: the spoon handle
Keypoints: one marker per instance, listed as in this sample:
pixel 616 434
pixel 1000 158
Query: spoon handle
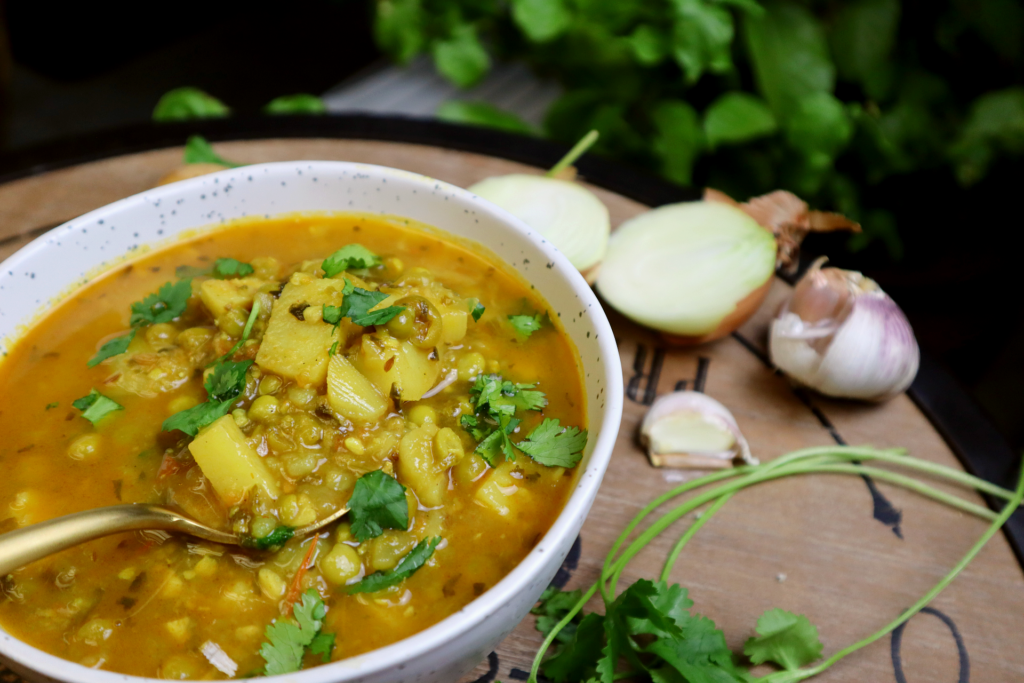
pixel 22 546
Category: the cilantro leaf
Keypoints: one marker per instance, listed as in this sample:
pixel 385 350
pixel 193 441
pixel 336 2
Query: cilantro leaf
pixel 497 443
pixel 378 502
pixel 223 387
pixel 476 309
pixel 552 607
pixel 332 315
pixel 578 659
pixel 333 350
pixel 357 303
pixel 552 445
pixel 95 406
pixel 224 268
pixel 497 395
pixel 525 324
pixel 289 639
pixel 790 640
pixel 300 103
pixel 406 567
pixel 278 537
pixel 348 257
pixel 199 151
pixel 113 347
pixel 181 104
pixel 163 306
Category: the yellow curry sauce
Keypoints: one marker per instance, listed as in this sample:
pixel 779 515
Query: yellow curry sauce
pixel 320 406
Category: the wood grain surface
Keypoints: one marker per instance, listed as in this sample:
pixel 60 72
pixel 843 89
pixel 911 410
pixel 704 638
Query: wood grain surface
pixel 847 553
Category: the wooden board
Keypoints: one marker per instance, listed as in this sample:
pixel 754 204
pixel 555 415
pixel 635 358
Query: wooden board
pixel 849 554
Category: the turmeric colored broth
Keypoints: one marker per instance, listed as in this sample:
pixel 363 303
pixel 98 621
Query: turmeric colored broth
pixel 144 605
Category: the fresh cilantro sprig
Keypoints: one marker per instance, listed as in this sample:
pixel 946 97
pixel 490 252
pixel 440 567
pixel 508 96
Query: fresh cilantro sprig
pixel 349 257
pixel 290 639
pixel 356 306
pixel 526 325
pixel 378 502
pixel 553 445
pixel 114 347
pixel 226 268
pixel 162 306
pixel 405 568
pixel 223 387
pixel 95 406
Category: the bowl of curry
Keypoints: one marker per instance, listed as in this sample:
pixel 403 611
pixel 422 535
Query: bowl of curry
pixel 258 348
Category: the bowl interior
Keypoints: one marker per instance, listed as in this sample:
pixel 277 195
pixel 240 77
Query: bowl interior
pixel 67 256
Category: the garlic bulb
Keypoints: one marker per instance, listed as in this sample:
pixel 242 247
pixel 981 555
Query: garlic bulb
pixel 692 430
pixel 841 335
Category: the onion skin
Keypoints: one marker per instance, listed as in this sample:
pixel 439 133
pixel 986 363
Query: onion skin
pixel 744 309
pixel 842 336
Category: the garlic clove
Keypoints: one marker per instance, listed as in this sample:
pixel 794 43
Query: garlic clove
pixel 841 335
pixel 688 429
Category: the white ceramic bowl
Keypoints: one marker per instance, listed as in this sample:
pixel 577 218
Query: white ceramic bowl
pixel 39 274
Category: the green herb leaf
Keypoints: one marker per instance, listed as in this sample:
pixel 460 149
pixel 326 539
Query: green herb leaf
pixel 790 640
pixel 650 45
pixel 357 303
pixel 223 387
pixel 526 324
pixel 678 140
pixel 275 539
pixel 737 117
pixel 399 28
pixel 406 567
pixel 322 645
pixel 302 103
pixel 552 607
pixel 553 445
pixel 95 406
pixel 476 309
pixel 333 350
pixel 182 104
pixel 290 639
pixel 378 502
pixel 163 306
pixel 348 257
pixel 199 151
pixel 484 115
pixel 113 347
pixel 225 268
pixel 701 38
pixel 577 661
pixel 541 20
pixel 461 58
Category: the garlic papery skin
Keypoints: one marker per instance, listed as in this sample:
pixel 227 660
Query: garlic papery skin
pixel 688 429
pixel 842 336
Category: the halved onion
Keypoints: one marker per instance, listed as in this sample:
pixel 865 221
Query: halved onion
pixel 695 270
pixel 565 213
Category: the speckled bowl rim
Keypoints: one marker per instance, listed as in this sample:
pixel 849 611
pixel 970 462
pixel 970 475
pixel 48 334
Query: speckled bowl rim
pixel 479 610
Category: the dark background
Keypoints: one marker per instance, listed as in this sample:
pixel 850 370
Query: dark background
pixel 69 69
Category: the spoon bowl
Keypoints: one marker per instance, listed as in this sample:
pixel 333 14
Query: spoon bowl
pixel 23 546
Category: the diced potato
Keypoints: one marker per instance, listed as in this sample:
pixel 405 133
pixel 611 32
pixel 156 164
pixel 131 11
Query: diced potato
pixel 419 469
pixel 454 317
pixel 389 363
pixel 351 394
pixel 295 348
pixel 231 465
pixel 221 296
pixel 179 629
pixel 500 491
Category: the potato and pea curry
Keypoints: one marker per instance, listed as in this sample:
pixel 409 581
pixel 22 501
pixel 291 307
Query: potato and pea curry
pixel 258 378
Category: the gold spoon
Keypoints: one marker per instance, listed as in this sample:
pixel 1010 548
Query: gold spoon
pixel 20 547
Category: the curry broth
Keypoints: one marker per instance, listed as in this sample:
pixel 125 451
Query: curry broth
pixel 138 604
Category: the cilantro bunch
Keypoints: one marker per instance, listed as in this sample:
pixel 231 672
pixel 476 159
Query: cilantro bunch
pixel 496 402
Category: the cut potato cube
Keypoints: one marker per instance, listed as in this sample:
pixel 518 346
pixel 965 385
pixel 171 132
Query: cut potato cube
pixel 454 319
pixel 296 348
pixel 351 394
pixel 231 465
pixel 399 366
pixel 221 296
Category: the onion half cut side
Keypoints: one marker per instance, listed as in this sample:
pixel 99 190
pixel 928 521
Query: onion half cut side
pixel 694 271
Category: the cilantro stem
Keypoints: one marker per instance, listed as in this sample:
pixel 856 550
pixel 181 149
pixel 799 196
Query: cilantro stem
pixel 693 529
pixel 535 669
pixel 573 154
pixel 1008 509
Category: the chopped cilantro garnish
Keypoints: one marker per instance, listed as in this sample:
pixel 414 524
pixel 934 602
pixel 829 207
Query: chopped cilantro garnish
pixel 357 303
pixel 496 401
pixel 246 331
pixel 113 347
pixel 348 257
pixel 274 539
pixel 333 350
pixel 332 315
pixel 476 309
pixel 526 324
pixel 96 406
pixel 553 445
pixel 163 306
pixel 290 638
pixel 405 568
pixel 378 502
pixel 224 268
pixel 223 387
